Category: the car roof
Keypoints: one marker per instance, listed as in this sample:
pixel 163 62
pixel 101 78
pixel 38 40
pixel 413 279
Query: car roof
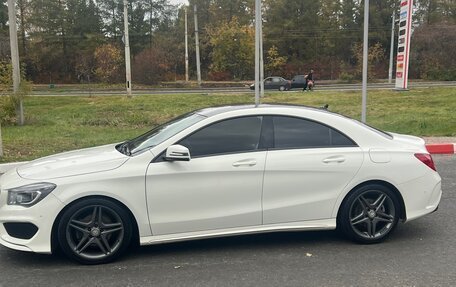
pixel 212 111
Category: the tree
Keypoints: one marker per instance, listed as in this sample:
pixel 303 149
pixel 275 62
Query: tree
pixel 233 49
pixel 432 53
pixel 274 62
pixel 376 56
pixel 151 66
pixel 108 62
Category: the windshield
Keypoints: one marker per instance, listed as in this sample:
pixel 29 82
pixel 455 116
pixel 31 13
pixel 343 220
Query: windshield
pixel 159 134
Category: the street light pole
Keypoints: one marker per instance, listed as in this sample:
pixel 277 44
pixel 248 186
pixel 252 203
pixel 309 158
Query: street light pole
pixel 15 56
pixel 365 58
pixel 186 45
pixel 390 71
pixel 261 59
pixel 257 51
pixel 127 50
pixel 198 61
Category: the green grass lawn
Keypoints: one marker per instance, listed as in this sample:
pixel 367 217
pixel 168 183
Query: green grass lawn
pixel 56 124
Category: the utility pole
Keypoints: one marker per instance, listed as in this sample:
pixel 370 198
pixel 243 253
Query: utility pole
pixel 198 62
pixel 186 45
pixel 365 58
pixel 257 50
pixel 261 58
pixel 1 143
pixel 15 57
pixel 127 50
pixel 390 71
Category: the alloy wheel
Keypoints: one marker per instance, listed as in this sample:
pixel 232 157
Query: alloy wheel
pixel 372 214
pixel 95 232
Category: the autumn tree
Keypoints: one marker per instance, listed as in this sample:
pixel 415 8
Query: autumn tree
pixel 108 63
pixel 151 66
pixel 375 57
pixel 274 62
pixel 233 49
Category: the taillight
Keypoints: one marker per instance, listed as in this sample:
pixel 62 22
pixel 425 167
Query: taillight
pixel 426 159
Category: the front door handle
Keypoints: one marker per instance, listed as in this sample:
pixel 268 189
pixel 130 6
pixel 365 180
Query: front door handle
pixel 334 159
pixel 248 162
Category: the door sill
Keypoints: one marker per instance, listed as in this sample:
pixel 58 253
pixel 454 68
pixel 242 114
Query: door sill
pixel 323 224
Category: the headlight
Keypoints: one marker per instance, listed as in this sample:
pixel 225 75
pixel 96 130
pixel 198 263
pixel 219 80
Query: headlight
pixel 29 195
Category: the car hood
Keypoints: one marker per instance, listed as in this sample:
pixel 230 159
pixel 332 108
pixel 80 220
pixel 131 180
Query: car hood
pixel 73 163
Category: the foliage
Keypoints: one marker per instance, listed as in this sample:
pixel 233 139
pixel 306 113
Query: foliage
pixel 376 55
pixel 151 66
pixel 274 62
pixel 9 107
pixel 108 62
pixel 434 55
pixel 58 38
pixel 233 49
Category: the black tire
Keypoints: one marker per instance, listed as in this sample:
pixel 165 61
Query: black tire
pixel 369 214
pixel 282 88
pixel 94 231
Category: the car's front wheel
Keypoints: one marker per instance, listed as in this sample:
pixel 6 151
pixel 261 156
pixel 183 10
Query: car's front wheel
pixel 282 88
pixel 94 231
pixel 369 214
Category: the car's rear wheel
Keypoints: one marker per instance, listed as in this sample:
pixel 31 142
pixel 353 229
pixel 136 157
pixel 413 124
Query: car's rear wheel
pixel 94 231
pixel 369 214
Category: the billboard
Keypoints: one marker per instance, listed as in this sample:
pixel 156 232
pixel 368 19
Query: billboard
pixel 403 46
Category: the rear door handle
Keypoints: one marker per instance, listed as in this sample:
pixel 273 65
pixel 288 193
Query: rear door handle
pixel 248 162
pixel 334 159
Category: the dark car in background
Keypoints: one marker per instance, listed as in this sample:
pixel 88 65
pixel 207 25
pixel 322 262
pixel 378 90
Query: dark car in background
pixel 298 82
pixel 275 83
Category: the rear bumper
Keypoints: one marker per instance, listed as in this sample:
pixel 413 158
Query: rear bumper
pixel 422 196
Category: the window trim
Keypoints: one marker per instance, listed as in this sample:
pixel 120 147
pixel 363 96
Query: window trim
pixel 266 144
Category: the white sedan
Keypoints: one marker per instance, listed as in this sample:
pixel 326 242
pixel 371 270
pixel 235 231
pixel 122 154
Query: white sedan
pixel 217 172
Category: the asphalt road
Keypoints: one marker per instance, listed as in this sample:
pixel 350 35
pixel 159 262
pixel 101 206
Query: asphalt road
pixel 419 253
pixel 235 90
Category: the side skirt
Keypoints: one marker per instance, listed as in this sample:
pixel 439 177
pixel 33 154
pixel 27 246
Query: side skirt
pixel 324 224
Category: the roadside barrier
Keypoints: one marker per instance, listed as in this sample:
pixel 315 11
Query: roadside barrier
pixel 441 148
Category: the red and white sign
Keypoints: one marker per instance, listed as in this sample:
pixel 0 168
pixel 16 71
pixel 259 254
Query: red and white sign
pixel 403 48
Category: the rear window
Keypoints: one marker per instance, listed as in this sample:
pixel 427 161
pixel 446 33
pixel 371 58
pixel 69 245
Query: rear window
pixel 380 132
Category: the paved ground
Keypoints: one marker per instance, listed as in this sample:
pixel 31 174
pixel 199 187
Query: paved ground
pixel 420 253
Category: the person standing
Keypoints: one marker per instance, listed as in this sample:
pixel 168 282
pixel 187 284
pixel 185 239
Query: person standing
pixel 309 82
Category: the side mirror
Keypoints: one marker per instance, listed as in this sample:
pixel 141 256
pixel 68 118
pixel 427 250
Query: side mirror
pixel 177 153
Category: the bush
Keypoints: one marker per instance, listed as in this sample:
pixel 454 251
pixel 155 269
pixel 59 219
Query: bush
pixel 7 110
pixel 151 66
pixel 108 63
pixel 219 76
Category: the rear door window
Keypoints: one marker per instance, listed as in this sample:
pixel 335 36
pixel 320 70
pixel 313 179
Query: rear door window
pixel 291 133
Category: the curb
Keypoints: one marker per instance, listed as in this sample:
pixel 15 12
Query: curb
pixel 441 148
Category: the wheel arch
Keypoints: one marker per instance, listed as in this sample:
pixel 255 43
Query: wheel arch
pixel 54 240
pixel 403 213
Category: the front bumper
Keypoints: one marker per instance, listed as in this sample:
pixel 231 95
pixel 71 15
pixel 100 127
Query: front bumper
pixel 42 215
